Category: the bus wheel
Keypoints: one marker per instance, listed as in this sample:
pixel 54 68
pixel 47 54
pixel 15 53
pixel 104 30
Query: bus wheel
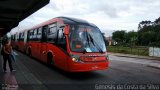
pixel 50 62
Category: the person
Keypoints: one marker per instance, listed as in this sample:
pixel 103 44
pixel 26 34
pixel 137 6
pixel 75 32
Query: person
pixel 7 49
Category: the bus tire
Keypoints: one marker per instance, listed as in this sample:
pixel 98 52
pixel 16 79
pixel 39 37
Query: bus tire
pixel 50 61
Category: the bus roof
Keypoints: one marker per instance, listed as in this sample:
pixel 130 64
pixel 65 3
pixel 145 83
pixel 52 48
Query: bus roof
pixel 64 20
pixel 69 20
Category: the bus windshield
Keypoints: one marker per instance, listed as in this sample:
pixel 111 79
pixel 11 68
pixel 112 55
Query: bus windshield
pixel 85 38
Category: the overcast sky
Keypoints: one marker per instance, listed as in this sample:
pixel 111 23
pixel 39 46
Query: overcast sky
pixel 108 15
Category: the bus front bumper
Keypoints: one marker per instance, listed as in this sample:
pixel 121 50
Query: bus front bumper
pixel 83 67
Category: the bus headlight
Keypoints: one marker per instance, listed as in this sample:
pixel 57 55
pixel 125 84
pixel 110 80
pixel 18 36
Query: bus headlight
pixel 74 59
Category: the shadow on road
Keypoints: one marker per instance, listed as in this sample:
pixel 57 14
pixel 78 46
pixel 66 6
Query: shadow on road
pixel 79 75
pixel 74 75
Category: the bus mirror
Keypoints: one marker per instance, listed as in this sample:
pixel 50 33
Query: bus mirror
pixel 66 30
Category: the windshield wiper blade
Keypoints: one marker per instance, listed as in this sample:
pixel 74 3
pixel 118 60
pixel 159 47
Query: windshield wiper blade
pixel 88 38
pixel 94 42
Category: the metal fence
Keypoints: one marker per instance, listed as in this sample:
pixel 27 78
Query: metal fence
pixel 154 51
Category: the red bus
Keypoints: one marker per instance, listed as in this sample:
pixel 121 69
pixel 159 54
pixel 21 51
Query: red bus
pixel 70 44
pixel 18 41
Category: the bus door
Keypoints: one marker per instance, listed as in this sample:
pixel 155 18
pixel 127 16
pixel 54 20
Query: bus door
pixel 34 43
pixel 39 43
pixel 61 43
pixel 43 49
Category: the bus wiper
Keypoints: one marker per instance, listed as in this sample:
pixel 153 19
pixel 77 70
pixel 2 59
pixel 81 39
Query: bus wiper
pixel 94 42
pixel 88 38
pixel 88 42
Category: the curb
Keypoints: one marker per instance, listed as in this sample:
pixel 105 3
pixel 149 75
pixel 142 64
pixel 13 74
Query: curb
pixel 149 58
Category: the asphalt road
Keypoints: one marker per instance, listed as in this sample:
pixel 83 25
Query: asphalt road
pixel 121 75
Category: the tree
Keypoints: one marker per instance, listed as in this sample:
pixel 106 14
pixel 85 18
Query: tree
pixel 157 21
pixel 143 24
pixel 149 32
pixel 119 36
pixel 131 38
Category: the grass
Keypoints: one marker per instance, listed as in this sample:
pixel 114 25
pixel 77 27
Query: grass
pixel 143 51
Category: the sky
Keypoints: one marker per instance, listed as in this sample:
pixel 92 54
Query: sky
pixel 108 15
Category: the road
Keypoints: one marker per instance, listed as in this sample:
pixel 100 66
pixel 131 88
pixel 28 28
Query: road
pixel 34 75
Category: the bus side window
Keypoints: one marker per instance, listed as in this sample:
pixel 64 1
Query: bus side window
pixel 14 37
pixel 34 35
pixel 22 36
pixel 61 39
pixel 44 33
pixel 11 37
pixel 39 34
pixel 30 35
pixel 52 33
pixel 19 38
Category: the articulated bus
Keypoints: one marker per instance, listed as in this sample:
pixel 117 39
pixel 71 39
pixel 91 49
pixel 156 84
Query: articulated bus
pixel 70 44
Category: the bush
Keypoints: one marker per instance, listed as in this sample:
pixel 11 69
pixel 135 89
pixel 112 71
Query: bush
pixel 129 50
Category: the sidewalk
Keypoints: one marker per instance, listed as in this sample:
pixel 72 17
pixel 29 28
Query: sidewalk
pixel 23 78
pixel 134 56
